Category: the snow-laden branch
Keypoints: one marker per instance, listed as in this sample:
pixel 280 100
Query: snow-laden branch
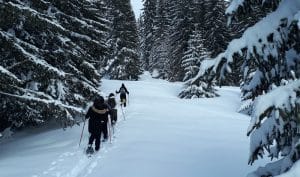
pixel 274 127
pixel 9 74
pixel 256 39
pixel 45 101
pixel 286 101
pixel 33 58
pixel 235 5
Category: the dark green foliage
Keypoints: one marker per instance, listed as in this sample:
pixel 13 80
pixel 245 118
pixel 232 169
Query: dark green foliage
pixel 167 26
pixel 270 84
pixel 147 29
pixel 123 62
pixel 181 29
pixel 51 52
pixel 195 86
pixel 159 50
pixel 216 34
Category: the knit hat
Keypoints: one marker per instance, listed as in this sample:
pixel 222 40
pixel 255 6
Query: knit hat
pixel 98 102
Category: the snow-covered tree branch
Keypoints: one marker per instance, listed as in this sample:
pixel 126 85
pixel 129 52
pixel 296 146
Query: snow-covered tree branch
pixel 270 51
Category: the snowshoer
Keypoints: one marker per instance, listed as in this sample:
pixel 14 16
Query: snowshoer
pixel 123 90
pixel 98 118
pixel 111 101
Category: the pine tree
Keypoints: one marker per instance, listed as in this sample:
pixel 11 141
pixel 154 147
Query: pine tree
pixel 192 57
pixel 124 61
pixel 216 34
pixel 141 36
pixel 209 19
pixel 171 23
pixel 270 77
pixel 148 18
pixel 159 51
pixel 236 29
pixel 51 52
pixel 181 28
pixel 195 54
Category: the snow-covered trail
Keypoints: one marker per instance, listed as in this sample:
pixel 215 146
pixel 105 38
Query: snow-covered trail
pixel 162 136
pixel 165 136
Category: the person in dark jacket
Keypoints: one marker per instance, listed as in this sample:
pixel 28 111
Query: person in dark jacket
pixel 111 101
pixel 123 90
pixel 98 118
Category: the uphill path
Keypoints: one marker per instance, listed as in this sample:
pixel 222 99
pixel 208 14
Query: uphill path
pixel 162 136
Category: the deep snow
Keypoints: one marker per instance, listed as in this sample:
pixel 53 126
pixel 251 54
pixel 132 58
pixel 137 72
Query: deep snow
pixel 162 136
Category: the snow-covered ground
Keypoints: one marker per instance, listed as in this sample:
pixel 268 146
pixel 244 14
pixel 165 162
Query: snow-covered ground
pixel 162 136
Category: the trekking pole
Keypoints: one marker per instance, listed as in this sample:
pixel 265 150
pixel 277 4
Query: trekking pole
pixel 123 112
pixel 128 99
pixel 81 133
pixel 113 129
pixel 115 117
pixel 113 123
pixel 109 125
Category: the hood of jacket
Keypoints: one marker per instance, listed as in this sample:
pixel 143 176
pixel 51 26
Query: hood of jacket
pixel 100 111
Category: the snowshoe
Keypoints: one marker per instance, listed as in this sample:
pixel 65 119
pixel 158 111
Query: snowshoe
pixel 89 151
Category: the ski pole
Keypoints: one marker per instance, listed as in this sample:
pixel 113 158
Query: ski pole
pixel 81 133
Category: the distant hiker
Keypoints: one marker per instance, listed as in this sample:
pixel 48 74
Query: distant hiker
pixel 111 101
pixel 123 90
pixel 98 118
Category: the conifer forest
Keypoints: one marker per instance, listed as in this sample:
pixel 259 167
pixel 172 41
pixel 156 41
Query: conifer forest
pixel 54 55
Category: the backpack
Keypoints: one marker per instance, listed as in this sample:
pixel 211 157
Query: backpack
pixel 122 90
pixel 111 102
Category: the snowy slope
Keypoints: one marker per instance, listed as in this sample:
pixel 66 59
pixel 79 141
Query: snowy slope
pixel 162 136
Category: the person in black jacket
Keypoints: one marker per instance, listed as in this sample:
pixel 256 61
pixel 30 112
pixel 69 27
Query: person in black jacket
pixel 111 101
pixel 123 90
pixel 98 118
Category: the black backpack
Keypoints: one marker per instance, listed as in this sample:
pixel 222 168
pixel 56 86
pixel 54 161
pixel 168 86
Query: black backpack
pixel 122 90
pixel 111 102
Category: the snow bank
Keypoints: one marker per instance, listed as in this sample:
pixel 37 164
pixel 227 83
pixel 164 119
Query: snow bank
pixel 162 136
